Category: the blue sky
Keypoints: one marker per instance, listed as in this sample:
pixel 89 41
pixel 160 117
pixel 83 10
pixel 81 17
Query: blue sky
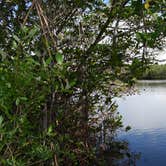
pixel 106 1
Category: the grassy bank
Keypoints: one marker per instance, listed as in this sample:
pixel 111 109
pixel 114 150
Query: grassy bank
pixel 155 72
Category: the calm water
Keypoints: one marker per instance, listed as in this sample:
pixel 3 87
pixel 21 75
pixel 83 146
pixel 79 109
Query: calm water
pixel 146 113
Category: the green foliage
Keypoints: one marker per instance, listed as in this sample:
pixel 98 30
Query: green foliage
pixel 59 76
pixel 59 58
pixel 137 68
pixel 155 72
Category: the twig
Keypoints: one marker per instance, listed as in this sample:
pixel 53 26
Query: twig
pixel 43 28
pixel 46 23
pixel 55 157
pixel 26 17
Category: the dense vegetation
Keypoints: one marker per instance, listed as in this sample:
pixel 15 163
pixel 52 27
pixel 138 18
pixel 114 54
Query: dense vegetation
pixel 62 64
pixel 155 72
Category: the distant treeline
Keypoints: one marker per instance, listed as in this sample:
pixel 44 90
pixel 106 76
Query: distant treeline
pixel 155 72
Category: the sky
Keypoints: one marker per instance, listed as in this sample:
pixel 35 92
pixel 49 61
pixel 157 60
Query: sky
pixel 162 56
pixel 106 1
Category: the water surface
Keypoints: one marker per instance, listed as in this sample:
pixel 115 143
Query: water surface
pixel 146 114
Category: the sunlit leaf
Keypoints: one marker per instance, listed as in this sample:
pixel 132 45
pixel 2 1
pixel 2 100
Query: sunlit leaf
pixel 23 98
pixel 59 58
pixel 147 5
pixel 17 101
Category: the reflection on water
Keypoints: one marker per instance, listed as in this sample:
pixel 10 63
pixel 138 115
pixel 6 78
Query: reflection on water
pixel 146 113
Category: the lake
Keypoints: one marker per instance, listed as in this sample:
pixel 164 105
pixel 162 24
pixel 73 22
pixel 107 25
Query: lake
pixel 145 112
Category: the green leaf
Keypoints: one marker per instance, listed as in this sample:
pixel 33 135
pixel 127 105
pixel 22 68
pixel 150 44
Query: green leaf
pixel 24 29
pixel 59 58
pixel 3 54
pixel 5 109
pixel 44 63
pixel 32 32
pixel 23 98
pixel 14 45
pixel 48 61
pixel 1 121
pixel 16 38
pixel 8 84
pixel 49 130
pixel 17 101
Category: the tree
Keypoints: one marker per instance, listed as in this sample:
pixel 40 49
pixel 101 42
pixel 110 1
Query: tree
pixel 62 66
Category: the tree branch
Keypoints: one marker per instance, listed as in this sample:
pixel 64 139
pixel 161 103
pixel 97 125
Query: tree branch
pixel 104 27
